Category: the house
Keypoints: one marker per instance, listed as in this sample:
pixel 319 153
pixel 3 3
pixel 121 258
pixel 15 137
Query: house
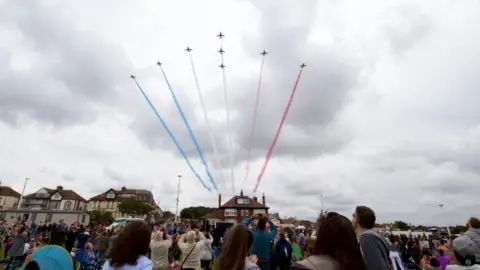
pixel 50 205
pixel 236 209
pixel 110 199
pixel 8 198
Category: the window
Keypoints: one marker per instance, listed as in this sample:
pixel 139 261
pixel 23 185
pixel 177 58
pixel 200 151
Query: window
pixel 48 218
pixel 67 205
pixel 259 211
pixel 111 195
pixel 83 219
pixel 244 213
pixel 243 201
pixel 55 205
pixel 230 212
pixel 234 221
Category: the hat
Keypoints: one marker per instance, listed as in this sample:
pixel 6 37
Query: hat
pixel 464 246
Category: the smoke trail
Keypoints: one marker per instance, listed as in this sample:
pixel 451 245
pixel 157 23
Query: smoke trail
pixel 227 108
pixel 252 131
pixel 277 134
pixel 187 125
pixel 180 149
pixel 207 120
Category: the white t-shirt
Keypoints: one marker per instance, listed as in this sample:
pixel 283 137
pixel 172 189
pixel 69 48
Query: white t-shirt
pixel 463 267
pixel 25 248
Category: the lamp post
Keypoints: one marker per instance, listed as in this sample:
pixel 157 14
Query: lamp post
pixel 178 196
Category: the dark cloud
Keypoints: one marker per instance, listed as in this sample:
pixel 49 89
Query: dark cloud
pixel 73 74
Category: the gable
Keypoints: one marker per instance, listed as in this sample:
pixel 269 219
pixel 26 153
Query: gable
pixel 56 197
pixel 110 194
pixel 43 192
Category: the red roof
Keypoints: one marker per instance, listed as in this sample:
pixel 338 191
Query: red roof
pixel 232 203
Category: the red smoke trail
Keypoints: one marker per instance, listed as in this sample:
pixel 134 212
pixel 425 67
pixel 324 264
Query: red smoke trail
pixel 252 131
pixel 269 153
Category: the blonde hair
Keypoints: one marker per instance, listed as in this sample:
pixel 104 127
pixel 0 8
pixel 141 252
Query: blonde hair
pixel 158 236
pixel 191 237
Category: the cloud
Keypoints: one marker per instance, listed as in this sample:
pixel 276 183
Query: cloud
pixel 385 113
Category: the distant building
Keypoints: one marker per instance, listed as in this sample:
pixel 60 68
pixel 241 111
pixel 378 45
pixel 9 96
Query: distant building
pixel 110 199
pixel 237 209
pixel 48 206
pixel 8 198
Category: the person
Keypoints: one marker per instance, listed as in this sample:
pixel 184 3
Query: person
pixel 394 255
pixel 473 233
pixel 236 248
pixel 102 245
pixel 17 252
pixel 336 246
pixel 159 246
pixel 207 254
pixel 262 239
pixel 374 247
pixel 191 249
pixel 131 248
pixel 442 258
pixel 283 250
pixel 464 251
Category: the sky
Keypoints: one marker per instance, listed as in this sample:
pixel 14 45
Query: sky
pixel 385 113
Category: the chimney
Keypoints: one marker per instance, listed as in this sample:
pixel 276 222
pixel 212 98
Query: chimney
pixel 263 199
pixel 124 188
pixel 219 200
pixel 255 198
pixel 241 192
pixel 59 188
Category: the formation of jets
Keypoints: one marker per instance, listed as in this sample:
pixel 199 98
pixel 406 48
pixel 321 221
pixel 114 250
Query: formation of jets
pixel 188 49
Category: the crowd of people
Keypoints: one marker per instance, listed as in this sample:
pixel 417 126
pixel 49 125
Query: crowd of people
pixel 341 243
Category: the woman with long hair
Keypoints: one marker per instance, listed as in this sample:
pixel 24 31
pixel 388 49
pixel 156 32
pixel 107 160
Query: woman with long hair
pixel 159 247
pixel 191 244
pixel 235 251
pixel 131 248
pixel 336 246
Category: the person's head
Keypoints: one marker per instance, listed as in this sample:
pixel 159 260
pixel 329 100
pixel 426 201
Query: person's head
pixel 392 239
pixel 464 249
pixel 237 247
pixel 337 239
pixel 32 265
pixel 190 237
pixel 206 234
pixel 364 217
pixel 434 262
pixel 261 223
pixel 282 236
pixel 132 242
pixel 473 223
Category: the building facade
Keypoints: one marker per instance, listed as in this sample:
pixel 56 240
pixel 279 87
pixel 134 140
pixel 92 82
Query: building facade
pixel 48 206
pixel 110 199
pixel 9 198
pixel 237 209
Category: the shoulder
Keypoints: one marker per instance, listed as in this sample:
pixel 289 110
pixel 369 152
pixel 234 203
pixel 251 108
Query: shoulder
pixel 144 262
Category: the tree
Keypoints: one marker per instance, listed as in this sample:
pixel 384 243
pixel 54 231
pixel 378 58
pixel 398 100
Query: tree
pixel 168 215
pixel 133 207
pixel 458 229
pixel 101 217
pixel 195 212
pixel 401 225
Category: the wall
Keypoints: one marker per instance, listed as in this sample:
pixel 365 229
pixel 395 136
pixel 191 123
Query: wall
pixel 8 202
pixel 44 217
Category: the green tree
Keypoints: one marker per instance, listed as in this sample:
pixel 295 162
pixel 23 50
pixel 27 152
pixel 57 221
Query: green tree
pixel 133 207
pixel 458 229
pixel 195 212
pixel 101 217
pixel 168 215
pixel 401 225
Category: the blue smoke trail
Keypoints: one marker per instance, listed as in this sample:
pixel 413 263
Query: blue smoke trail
pixel 197 147
pixel 171 135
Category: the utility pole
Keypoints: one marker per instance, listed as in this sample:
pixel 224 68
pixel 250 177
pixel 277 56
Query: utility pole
pixel 178 196
pixel 23 192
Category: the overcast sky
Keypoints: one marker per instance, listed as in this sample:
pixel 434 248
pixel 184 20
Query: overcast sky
pixel 386 113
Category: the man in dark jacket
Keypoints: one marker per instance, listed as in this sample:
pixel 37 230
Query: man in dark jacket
pixel 374 247
pixel 16 252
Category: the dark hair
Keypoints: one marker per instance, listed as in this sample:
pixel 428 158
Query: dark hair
pixel 32 265
pixel 132 242
pixel 365 217
pixel 474 222
pixel 262 224
pixel 337 239
pixel 236 249
pixel 434 262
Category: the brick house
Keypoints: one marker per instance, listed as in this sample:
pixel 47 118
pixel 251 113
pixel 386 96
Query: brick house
pixel 237 209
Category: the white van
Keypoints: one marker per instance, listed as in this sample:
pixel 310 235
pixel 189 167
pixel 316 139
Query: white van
pixel 116 224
